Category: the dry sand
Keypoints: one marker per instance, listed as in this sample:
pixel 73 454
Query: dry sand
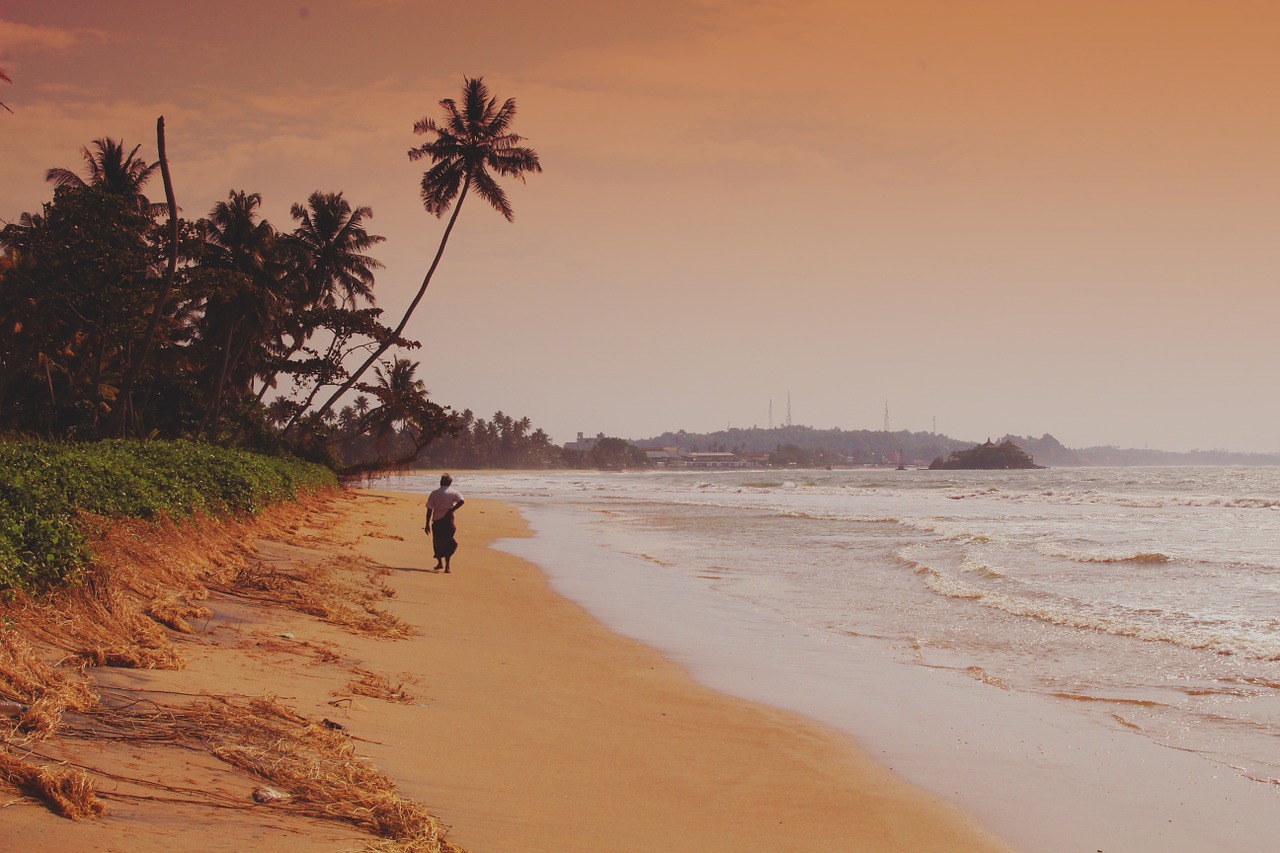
pixel 517 719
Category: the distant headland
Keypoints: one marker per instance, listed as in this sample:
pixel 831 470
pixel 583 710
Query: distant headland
pixel 804 446
pixel 987 456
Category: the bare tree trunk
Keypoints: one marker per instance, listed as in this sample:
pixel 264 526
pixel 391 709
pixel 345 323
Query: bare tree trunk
pixel 126 391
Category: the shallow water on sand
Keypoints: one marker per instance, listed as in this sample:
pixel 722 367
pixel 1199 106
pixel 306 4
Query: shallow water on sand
pixel 1121 625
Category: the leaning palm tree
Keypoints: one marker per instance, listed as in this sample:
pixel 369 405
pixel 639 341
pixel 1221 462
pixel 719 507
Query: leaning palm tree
pixel 110 168
pixel 472 143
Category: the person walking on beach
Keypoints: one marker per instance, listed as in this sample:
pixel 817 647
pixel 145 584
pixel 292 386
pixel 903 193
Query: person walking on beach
pixel 441 504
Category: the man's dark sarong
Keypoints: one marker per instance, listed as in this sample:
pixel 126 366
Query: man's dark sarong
pixel 442 538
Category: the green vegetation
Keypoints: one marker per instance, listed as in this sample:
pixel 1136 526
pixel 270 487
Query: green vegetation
pixel 45 486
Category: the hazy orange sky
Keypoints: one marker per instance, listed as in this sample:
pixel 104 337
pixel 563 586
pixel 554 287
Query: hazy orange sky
pixel 1013 217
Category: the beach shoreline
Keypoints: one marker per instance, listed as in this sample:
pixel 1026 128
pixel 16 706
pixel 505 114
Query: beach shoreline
pixel 1026 766
pixel 513 715
pixel 560 732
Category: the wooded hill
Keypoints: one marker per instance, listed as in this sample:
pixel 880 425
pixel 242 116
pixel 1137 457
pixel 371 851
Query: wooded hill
pixel 805 445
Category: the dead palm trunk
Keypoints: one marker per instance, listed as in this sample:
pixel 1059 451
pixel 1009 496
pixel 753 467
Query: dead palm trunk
pixel 125 407
pixel 404 321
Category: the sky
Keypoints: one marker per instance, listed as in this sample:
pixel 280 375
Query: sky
pixel 992 216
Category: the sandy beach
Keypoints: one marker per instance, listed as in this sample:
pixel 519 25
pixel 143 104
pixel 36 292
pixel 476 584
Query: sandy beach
pixel 509 713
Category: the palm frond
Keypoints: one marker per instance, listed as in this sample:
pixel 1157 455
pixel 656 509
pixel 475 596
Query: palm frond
pixel 60 177
pixel 441 185
pixel 501 119
pixel 487 188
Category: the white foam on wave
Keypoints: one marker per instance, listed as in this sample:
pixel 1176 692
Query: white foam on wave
pixel 1052 549
pixel 1152 625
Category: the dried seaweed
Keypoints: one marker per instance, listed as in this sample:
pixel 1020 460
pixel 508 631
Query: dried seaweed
pixel 149 577
pixel 68 790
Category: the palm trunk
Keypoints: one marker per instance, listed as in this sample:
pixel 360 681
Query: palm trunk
pixel 215 411
pixel 404 321
pixel 135 366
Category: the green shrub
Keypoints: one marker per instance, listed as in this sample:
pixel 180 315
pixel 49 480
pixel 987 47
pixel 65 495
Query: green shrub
pixel 44 486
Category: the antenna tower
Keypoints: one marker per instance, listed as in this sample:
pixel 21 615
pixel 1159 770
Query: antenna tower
pixel 770 413
pixel 788 408
pixel 886 415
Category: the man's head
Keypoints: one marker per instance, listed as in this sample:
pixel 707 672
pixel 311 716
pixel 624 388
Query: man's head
pixel 446 480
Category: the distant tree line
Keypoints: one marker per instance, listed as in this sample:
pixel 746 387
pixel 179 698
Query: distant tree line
pixel 499 442
pixel 470 442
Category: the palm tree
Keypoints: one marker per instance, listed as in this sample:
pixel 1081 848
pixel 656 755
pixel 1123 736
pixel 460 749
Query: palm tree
pixel 242 311
pixel 110 168
pixel 329 240
pixel 333 238
pixel 469 145
pixel 400 395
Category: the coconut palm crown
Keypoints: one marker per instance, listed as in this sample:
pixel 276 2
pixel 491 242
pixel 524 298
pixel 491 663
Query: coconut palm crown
pixel 332 236
pixel 110 168
pixel 468 143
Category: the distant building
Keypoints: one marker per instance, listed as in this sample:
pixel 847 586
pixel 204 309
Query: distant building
pixel 717 459
pixel 584 444
pixel 672 457
pixel 664 457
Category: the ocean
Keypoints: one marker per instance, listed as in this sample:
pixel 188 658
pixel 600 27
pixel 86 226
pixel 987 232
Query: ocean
pixel 1084 659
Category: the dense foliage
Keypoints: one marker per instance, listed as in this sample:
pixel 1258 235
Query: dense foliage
pixel 45 486
pixel 247 308
pixel 120 319
pixel 466 441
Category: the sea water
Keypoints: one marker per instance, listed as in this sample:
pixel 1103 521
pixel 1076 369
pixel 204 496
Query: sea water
pixel 1084 658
